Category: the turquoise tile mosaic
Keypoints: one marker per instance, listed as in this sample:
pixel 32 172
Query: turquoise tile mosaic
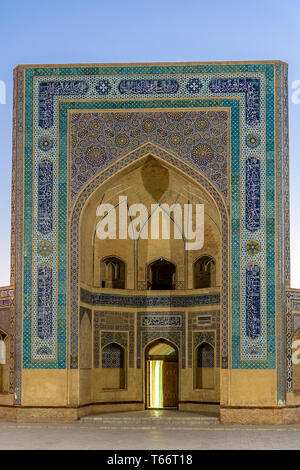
pixel 252 96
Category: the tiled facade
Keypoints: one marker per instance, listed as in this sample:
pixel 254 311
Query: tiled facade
pixel 225 126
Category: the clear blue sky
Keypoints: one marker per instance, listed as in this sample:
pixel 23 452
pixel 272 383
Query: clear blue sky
pixel 89 31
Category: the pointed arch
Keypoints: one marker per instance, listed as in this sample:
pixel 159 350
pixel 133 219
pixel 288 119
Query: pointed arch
pixel 125 163
pixel 113 272
pixel 160 340
pixel 204 272
pixel 161 274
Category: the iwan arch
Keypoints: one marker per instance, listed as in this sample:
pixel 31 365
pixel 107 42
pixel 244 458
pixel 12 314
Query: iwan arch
pixel 92 325
pixel 151 267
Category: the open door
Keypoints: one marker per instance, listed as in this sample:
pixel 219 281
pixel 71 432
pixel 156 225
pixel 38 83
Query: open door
pixel 170 384
pixel 161 375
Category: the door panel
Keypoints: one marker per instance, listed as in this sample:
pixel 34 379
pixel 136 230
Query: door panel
pixel 170 384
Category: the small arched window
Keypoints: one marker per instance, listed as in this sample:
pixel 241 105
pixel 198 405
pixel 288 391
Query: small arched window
pixel 113 273
pixel 205 363
pixel 161 275
pixel 113 359
pixel 204 272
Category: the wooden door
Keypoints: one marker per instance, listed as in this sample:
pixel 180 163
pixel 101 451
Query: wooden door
pixel 170 384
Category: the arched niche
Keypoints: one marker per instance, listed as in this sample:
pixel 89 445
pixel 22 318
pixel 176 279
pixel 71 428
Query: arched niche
pixel 113 367
pixel 204 270
pixel 112 273
pixel 205 366
pixel 161 275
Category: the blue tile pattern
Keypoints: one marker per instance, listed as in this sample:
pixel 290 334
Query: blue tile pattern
pixel 148 87
pixel 194 85
pixel 44 302
pixel 45 143
pixel 253 301
pixel 45 248
pixel 148 300
pixel 103 87
pixel 44 351
pixel 47 92
pixel 45 204
pixel 197 137
pixel 161 321
pixel 252 194
pixel 112 357
pixel 249 86
pixel 253 140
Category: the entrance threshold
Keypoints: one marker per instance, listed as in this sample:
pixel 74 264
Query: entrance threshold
pixel 153 417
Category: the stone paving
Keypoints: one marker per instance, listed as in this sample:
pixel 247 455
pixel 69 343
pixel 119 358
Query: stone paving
pixel 159 434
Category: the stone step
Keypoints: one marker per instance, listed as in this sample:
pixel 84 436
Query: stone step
pixel 101 419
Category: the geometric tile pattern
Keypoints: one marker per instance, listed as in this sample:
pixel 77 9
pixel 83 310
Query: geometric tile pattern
pixel 253 247
pixel 199 332
pixel 199 138
pixel 113 327
pixel 193 85
pixel 46 96
pixel 252 140
pixel 112 357
pixel 45 248
pixel 203 337
pixel 249 86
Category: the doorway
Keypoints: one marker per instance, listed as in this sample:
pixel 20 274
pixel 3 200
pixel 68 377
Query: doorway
pixel 161 275
pixel 161 375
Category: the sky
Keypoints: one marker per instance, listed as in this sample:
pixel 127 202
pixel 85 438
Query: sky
pixel 97 31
